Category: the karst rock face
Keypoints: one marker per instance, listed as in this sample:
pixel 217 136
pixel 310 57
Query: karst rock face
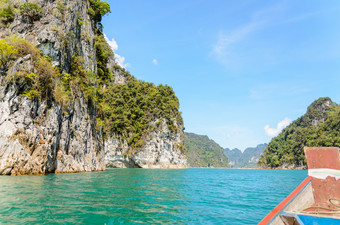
pixel 160 151
pixel 38 136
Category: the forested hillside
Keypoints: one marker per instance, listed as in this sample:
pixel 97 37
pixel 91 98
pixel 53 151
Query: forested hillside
pixel 320 126
pixel 204 152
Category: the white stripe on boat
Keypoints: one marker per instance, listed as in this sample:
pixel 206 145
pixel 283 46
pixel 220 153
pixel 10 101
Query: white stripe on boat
pixel 322 173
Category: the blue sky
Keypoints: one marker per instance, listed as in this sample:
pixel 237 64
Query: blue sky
pixel 241 69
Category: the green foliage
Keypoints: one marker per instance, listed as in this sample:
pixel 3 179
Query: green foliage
pixel 6 15
pixel 204 152
pixel 82 81
pixel 80 22
pixel 328 133
pixel 66 79
pixel 31 11
pixel 62 93
pixel 103 54
pixel 91 12
pixel 46 76
pixel 320 126
pixel 314 112
pixel 23 47
pixel 61 9
pixel 40 84
pixel 181 147
pixel 47 79
pixel 77 68
pixel 98 9
pixel 7 53
pixel 130 109
pixel 37 85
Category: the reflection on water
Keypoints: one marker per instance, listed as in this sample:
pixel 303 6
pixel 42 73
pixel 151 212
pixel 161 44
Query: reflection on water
pixel 128 196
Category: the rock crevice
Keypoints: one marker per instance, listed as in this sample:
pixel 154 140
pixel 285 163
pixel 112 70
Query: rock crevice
pixel 37 136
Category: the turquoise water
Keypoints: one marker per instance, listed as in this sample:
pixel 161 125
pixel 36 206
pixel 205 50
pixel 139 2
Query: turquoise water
pixel 137 196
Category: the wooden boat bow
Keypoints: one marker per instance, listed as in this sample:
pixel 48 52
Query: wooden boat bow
pixel 317 199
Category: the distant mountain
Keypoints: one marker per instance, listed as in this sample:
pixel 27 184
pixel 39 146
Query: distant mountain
pixel 319 126
pixel 234 156
pixel 204 152
pixel 247 159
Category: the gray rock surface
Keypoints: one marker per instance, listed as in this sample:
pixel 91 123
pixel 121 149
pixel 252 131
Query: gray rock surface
pixel 37 137
pixel 160 151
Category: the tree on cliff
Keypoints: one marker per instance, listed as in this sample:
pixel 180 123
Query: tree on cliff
pixel 320 126
pixel 7 53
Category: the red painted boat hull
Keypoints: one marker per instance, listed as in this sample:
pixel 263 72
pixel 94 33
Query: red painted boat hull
pixel 311 202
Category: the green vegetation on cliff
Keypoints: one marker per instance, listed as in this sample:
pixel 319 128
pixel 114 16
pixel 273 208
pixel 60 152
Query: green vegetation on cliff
pixel 204 152
pixel 6 12
pixel 38 84
pixel 130 109
pixel 6 15
pixel 320 126
pixel 98 9
pixel 31 11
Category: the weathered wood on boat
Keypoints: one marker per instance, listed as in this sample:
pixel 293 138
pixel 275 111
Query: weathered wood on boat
pixel 314 201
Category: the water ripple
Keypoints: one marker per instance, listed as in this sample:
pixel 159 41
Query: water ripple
pixel 136 196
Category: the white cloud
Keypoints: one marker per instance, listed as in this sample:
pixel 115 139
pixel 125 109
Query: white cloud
pixel 222 48
pixel 120 61
pixel 154 61
pixel 227 48
pixel 273 132
pixel 114 46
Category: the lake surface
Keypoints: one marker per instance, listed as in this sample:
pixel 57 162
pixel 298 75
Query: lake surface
pixel 137 196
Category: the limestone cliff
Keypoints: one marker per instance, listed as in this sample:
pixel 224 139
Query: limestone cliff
pixel 246 159
pixel 160 151
pixel 318 127
pixel 62 131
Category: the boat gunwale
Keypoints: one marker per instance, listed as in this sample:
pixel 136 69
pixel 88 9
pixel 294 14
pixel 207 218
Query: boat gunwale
pixel 280 207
